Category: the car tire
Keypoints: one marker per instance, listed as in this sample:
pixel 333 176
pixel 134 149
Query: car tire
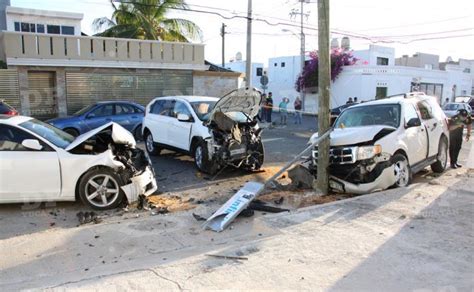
pixel 201 158
pixel 71 131
pixel 258 162
pixel 100 189
pixel 442 158
pixel 137 134
pixel 150 144
pixel 402 170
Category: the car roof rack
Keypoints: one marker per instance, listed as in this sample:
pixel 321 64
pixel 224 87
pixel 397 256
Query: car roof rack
pixel 407 95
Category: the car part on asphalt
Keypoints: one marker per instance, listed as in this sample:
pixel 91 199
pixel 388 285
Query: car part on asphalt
pixel 261 206
pixel 241 200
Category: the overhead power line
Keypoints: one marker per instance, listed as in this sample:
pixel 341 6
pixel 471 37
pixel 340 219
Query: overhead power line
pixel 381 39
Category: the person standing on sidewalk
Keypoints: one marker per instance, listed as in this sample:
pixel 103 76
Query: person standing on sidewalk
pixel 283 106
pixel 298 106
pixel 263 110
pixel 456 127
pixel 269 107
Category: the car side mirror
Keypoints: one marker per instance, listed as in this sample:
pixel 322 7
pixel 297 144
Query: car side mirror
pixel 184 118
pixel 32 144
pixel 414 122
pixel 90 116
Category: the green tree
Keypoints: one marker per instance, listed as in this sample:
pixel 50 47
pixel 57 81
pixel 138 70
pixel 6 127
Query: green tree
pixel 146 20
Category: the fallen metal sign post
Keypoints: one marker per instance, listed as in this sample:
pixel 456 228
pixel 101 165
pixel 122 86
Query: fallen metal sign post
pixel 232 208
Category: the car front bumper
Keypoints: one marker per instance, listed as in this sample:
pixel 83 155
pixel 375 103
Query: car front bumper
pixel 143 184
pixel 385 180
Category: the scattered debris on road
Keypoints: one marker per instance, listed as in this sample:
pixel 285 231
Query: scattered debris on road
pixel 227 257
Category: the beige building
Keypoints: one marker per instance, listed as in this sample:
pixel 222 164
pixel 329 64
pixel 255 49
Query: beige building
pixel 55 74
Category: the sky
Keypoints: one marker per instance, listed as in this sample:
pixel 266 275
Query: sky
pixel 409 26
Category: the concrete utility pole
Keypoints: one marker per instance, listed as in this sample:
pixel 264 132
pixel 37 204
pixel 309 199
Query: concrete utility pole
pixel 223 44
pixel 293 13
pixel 248 62
pixel 324 81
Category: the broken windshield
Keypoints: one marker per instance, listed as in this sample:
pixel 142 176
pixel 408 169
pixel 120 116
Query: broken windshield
pixel 385 114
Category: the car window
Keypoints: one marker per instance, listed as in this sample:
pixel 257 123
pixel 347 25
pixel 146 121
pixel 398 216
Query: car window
pixel 410 113
pixel 436 110
pixel 203 109
pixel 11 138
pixel 181 108
pixel 425 110
pixel 137 110
pixel 451 107
pixel 163 107
pixel 84 110
pixel 124 109
pixel 359 116
pixel 103 111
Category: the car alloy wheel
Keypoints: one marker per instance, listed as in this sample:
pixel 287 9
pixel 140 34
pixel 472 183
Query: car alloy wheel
pixel 198 153
pixel 149 143
pixel 402 172
pixel 102 190
pixel 443 154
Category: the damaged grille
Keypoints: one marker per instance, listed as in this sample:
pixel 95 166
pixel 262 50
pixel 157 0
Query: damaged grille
pixel 338 155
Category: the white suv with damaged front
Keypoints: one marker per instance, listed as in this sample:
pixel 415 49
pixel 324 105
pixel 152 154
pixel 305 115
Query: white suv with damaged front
pixel 216 132
pixel 382 143
pixel 40 163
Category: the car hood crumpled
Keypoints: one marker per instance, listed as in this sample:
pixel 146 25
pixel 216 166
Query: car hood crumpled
pixel 355 135
pixel 119 135
pixel 245 100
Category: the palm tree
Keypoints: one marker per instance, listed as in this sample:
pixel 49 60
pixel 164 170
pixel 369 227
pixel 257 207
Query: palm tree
pixel 146 19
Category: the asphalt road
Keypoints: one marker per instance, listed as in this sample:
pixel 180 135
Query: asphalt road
pixel 176 171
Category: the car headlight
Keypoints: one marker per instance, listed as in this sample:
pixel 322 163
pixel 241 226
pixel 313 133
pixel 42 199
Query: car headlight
pixel 367 152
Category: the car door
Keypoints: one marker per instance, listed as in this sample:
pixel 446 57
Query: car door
pixel 434 127
pixel 159 119
pixel 99 116
pixel 415 136
pixel 125 116
pixel 27 175
pixel 179 131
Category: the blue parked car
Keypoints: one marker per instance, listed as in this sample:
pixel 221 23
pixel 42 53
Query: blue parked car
pixel 127 114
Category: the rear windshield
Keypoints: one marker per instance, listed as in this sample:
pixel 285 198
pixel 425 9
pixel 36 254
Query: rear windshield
pixel 4 108
pixel 370 115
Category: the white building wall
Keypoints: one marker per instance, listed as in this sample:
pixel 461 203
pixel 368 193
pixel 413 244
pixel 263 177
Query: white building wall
pixel 239 66
pixel 15 14
pixel 282 79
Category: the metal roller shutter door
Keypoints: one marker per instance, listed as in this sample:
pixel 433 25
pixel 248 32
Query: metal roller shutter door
pixel 42 94
pixel 9 88
pixel 86 88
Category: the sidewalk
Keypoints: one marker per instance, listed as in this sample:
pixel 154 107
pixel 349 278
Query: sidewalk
pixel 418 238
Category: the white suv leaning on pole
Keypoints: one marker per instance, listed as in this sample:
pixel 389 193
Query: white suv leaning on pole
pixel 382 143
pixel 215 132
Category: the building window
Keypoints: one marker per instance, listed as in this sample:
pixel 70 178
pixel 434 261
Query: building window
pixel 282 64
pixel 380 92
pixel 259 71
pixel 25 27
pixel 276 64
pixel 382 61
pixel 434 89
pixel 54 29
pixel 17 26
pixel 40 28
pixel 67 30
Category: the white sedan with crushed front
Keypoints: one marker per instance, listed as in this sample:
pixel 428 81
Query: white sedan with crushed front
pixel 40 163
